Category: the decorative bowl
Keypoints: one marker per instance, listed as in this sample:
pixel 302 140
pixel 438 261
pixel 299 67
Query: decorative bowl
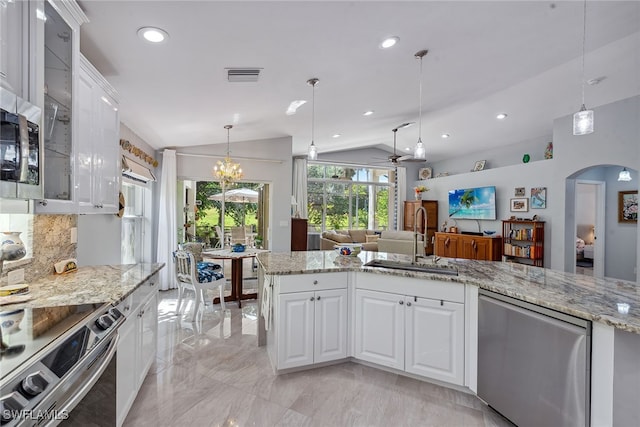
pixel 238 247
pixel 489 232
pixel 349 249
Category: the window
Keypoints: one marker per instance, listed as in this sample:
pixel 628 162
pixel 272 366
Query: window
pixel 342 197
pixel 136 224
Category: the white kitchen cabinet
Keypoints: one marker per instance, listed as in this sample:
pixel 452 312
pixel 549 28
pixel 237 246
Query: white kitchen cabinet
pixel 295 329
pixel 148 336
pixel 137 344
pixel 97 177
pixel 57 82
pixel 379 328
pixel 330 322
pixel 434 339
pixel 14 46
pixel 311 325
pixel 414 334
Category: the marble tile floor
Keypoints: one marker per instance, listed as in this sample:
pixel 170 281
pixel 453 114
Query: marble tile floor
pixel 211 373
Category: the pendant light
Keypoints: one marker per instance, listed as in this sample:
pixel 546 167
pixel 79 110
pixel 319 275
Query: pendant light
pixel 419 152
pixel 624 175
pixel 583 119
pixel 227 171
pixel 313 151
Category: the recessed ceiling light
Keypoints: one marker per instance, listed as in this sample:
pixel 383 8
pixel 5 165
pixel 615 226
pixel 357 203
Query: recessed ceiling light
pixel 501 116
pixel 367 113
pixel 445 135
pixel 389 42
pixel 336 135
pixel 407 149
pixel 293 107
pixel 153 34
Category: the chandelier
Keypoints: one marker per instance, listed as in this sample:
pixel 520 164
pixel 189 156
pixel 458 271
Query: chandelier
pixel 227 171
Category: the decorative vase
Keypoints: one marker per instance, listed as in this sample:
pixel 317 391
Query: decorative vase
pixel 418 195
pixel 11 246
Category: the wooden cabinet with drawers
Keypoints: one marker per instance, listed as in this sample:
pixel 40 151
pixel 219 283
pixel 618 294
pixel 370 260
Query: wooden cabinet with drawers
pixel 467 246
pixel 431 206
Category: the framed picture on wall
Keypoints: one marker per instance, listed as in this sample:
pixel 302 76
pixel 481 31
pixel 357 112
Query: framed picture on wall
pixel 539 198
pixel 425 173
pixel 519 192
pixel 520 205
pixel 628 206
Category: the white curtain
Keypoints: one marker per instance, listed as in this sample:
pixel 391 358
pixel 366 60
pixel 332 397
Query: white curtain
pixel 401 180
pixel 167 228
pixel 300 185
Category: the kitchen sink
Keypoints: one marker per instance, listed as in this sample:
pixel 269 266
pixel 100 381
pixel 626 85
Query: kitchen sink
pixel 423 268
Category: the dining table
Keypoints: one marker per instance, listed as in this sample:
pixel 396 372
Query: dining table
pixel 237 259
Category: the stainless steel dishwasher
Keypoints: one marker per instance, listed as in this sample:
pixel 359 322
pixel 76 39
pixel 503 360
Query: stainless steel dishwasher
pixel 533 363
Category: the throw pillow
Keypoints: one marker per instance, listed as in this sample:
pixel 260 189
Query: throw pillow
pixel 372 238
pixel 358 236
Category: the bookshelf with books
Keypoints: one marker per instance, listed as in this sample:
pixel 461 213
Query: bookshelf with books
pixel 523 241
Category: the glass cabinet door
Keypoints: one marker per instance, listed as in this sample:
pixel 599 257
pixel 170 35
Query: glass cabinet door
pixel 57 120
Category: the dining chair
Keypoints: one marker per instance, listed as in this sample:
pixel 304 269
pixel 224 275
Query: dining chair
pixel 198 280
pixel 238 235
pixel 220 238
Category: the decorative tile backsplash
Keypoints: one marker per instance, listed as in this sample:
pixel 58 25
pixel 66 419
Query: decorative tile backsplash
pixel 51 243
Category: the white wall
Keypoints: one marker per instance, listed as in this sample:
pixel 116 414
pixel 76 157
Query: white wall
pixel 252 156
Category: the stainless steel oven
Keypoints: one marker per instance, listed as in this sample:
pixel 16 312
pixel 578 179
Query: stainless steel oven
pixel 66 375
pixel 20 148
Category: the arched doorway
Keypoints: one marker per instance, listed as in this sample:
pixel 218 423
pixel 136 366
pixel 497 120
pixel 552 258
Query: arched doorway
pixel 593 232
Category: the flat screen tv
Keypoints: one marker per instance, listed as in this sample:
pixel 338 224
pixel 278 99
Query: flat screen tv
pixel 473 203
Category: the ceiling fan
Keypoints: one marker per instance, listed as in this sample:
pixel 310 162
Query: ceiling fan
pixel 396 158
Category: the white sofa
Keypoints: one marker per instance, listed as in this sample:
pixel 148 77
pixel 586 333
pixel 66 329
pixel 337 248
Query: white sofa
pixel 398 242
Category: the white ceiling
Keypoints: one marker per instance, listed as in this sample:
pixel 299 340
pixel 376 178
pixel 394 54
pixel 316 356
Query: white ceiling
pixel 518 57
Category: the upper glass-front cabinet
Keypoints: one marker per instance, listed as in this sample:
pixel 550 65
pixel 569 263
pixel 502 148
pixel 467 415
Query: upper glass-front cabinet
pixel 60 53
pixel 58 91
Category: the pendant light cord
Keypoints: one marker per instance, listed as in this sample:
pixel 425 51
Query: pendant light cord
pixel 313 111
pixel 420 106
pixel 584 41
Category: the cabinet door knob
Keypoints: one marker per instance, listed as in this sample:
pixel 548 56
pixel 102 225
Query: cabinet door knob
pixel 408 303
pixel 43 202
pixel 311 299
pixel 318 298
pixel 152 283
pixel 400 302
pixel 315 282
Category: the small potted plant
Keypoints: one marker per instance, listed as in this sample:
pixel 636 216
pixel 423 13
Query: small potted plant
pixel 419 190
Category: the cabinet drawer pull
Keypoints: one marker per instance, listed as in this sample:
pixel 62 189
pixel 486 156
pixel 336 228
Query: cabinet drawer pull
pixel 408 303
pixel 401 302
pixel 311 299
pixel 152 283
pixel 441 302
pixel 315 282
pixel 127 308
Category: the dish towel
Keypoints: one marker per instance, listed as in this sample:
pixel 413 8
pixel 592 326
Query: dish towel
pixel 266 301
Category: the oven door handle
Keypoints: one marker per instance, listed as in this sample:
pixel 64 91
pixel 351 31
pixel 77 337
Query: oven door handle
pixel 89 383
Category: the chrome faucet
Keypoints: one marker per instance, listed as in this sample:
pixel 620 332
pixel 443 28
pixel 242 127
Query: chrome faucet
pixel 416 233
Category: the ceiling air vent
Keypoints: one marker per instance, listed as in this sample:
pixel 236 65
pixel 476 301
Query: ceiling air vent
pixel 243 74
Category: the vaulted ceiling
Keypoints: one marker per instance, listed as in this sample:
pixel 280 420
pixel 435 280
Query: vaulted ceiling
pixel 518 57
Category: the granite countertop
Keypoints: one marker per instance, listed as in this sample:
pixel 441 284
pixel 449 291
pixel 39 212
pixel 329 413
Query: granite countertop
pixel 88 285
pixel 578 295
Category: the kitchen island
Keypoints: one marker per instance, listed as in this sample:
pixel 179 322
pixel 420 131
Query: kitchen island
pixel 612 306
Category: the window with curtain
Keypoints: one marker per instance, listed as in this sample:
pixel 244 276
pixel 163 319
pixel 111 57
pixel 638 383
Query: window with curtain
pixel 343 197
